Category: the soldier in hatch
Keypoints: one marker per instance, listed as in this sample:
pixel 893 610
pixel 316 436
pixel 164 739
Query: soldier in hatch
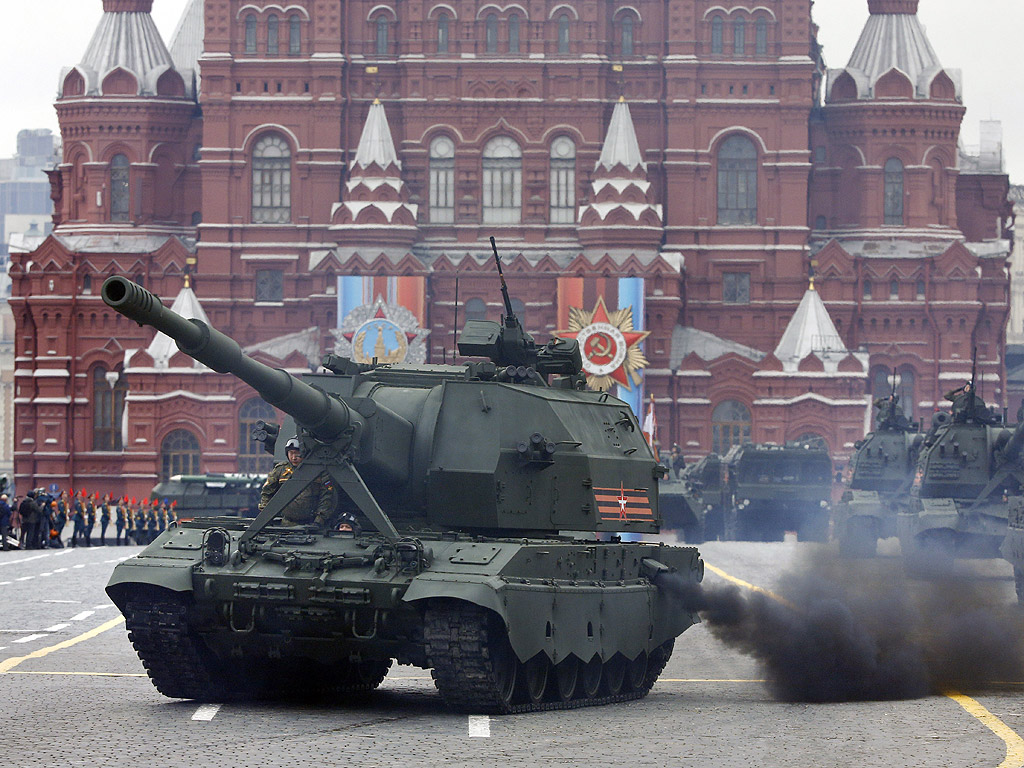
pixel 314 504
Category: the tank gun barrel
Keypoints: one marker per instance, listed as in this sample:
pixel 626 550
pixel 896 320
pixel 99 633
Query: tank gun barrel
pixel 323 416
pixel 1014 446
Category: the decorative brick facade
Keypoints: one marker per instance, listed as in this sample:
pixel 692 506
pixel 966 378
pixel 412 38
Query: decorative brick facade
pixel 598 143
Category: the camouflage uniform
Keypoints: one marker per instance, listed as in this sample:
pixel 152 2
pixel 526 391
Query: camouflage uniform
pixel 314 504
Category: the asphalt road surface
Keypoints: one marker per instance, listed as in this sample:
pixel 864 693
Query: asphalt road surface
pixel 75 693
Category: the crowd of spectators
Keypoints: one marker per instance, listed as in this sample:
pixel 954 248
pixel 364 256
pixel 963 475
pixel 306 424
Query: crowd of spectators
pixel 41 519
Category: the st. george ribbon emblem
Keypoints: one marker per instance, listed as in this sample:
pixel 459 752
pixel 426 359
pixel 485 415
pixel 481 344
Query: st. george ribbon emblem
pixel 610 346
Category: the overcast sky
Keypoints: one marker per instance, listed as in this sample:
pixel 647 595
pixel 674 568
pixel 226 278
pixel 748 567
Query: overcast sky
pixel 979 37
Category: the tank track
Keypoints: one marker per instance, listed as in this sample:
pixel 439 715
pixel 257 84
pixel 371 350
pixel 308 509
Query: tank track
pixel 172 656
pixel 460 642
pixel 182 668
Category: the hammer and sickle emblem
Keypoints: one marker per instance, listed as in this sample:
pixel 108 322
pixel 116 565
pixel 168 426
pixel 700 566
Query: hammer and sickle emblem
pixel 601 346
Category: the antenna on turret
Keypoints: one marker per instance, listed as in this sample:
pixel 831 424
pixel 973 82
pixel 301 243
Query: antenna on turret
pixel 511 321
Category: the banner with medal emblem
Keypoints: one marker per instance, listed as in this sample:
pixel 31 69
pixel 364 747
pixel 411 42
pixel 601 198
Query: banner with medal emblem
pixel 381 318
pixel 610 333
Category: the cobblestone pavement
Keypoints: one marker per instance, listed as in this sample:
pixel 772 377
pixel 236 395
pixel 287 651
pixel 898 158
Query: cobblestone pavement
pixel 90 704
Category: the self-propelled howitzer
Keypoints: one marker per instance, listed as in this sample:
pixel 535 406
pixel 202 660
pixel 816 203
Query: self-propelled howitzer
pixel 459 480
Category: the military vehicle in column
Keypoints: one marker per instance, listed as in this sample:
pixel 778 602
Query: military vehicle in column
pixel 1013 545
pixel 459 478
pixel 692 505
pixel 968 470
pixel 881 476
pixel 772 489
pixel 211 495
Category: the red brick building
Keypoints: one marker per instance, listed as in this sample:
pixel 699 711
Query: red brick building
pixel 299 162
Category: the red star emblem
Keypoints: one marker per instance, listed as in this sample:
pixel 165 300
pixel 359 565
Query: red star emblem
pixel 622 501
pixel 609 345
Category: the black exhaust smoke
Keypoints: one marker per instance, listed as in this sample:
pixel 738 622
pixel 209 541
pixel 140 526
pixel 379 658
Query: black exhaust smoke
pixel 861 631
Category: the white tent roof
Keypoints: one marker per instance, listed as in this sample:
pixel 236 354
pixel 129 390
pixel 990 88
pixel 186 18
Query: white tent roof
pixel 810 330
pixel 376 145
pixel 163 348
pixel 620 144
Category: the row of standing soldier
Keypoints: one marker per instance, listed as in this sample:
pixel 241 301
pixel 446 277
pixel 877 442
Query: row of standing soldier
pixel 40 519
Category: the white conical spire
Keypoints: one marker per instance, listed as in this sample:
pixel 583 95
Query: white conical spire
pixel 620 144
pixel 163 348
pixel 810 330
pixel 375 145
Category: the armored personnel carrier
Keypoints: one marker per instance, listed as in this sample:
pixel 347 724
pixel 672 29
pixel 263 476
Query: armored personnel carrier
pixel 882 472
pixel 1013 545
pixel 693 504
pixel 459 478
pixel 968 469
pixel 211 495
pixel 777 488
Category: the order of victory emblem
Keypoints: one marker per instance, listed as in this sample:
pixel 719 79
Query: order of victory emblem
pixel 387 333
pixel 609 345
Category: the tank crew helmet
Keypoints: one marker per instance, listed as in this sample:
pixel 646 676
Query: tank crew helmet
pixel 293 444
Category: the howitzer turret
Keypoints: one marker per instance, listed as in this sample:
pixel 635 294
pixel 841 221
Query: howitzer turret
pixel 463 484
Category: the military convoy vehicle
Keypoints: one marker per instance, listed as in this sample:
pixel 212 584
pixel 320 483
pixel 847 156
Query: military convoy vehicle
pixel 969 468
pixel 1013 545
pixel 693 504
pixel 772 489
pixel 211 495
pixel 879 484
pixel 461 478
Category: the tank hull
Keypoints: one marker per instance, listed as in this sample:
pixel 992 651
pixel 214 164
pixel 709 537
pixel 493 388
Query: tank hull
pixel 345 606
pixel 860 519
pixel 933 532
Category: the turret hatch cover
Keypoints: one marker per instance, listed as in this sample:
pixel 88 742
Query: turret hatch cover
pixel 474 554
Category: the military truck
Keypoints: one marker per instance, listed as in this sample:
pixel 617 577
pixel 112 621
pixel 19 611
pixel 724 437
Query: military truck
pixel 1013 545
pixel 772 489
pixel 968 469
pixel 209 495
pixel 880 479
pixel 461 477
pixel 683 511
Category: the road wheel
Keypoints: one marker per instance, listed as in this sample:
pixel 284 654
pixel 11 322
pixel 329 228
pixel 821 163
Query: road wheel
pixel 860 539
pixel 567 673
pixel 590 677
pixel 534 678
pixel 614 674
pixel 636 672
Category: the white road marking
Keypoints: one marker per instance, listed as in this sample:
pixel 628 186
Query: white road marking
pixel 60 570
pixel 34 557
pixel 28 639
pixel 101 607
pixel 80 565
pixel 3 647
pixel 4 583
pixel 206 712
pixel 82 616
pixel 25 578
pixel 71 602
pixel 56 628
pixel 50 573
pixel 480 726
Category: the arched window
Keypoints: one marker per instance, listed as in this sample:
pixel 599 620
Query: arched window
pixel 250 33
pixel 739 36
pixel 442 33
pixel 491 32
pixel 893 192
pixel 294 35
pixel 513 33
pixel 627 35
pixel 761 35
pixel 271 180
pixel 717 33
pixel 273 35
pixel 442 180
pixel 382 36
pixel 251 456
pixel 476 309
pixel 894 289
pixel 179 454
pixel 563 33
pixel 737 181
pixel 120 188
pixel 919 290
pixel 563 181
pixel 730 425
pixel 905 389
pixel 867 289
pixel 108 392
pixel 503 181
